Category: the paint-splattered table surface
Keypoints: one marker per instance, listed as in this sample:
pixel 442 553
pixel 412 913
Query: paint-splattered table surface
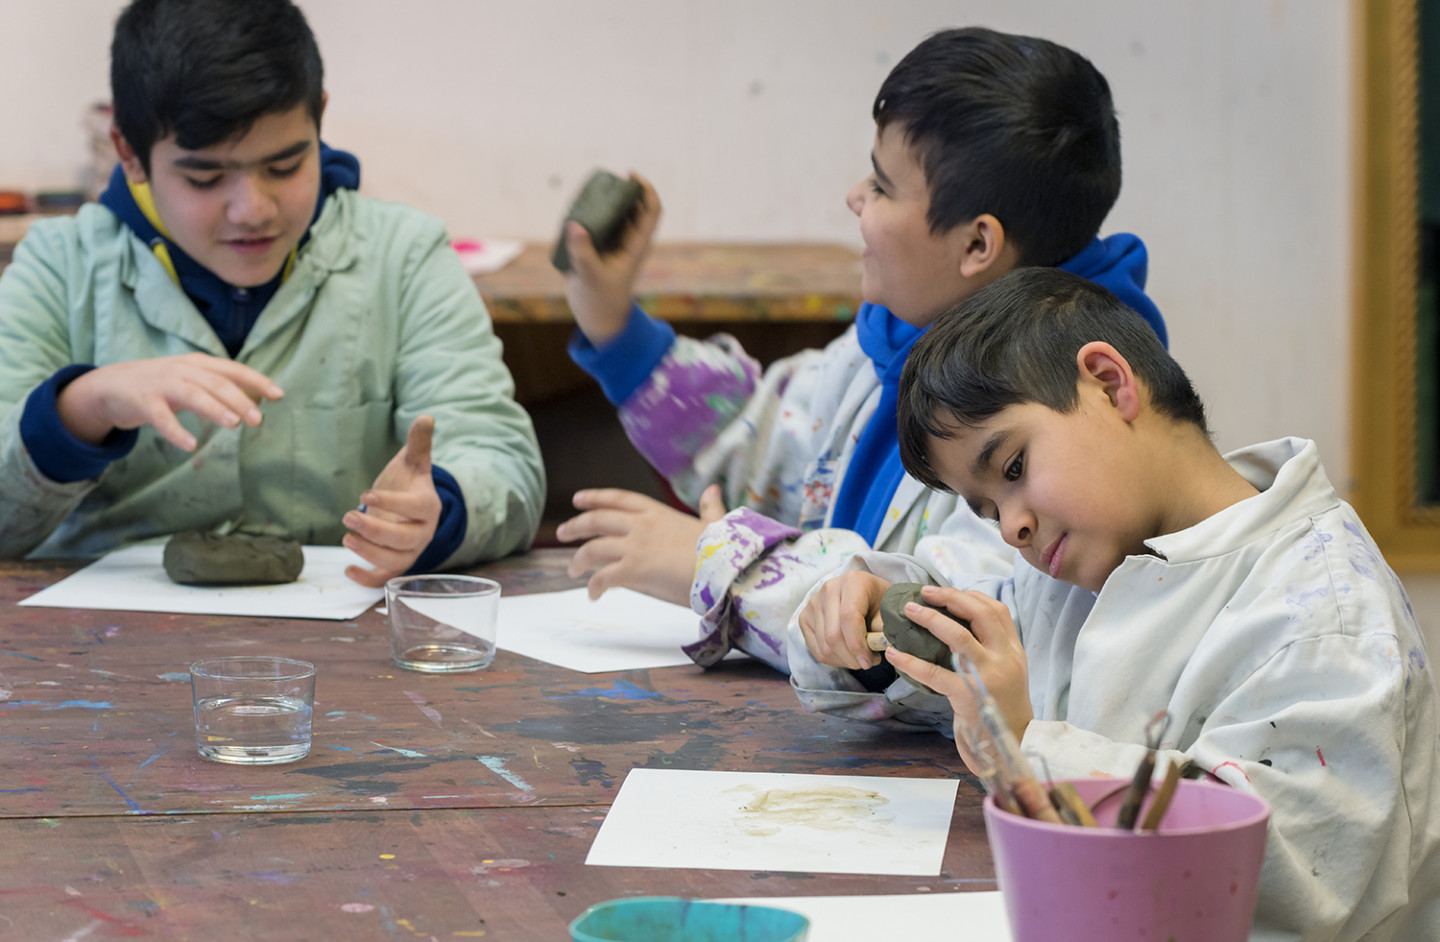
pixel 696 282
pixel 430 806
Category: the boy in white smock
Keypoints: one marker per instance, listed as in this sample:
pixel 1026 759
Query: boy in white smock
pixel 1239 593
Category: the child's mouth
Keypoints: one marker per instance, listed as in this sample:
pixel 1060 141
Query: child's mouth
pixel 251 246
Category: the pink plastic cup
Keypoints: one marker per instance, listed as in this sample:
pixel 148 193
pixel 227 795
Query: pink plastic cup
pixel 1193 880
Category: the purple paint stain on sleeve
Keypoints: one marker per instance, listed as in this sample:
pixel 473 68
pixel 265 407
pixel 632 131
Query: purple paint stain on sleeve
pixel 682 405
pixel 770 531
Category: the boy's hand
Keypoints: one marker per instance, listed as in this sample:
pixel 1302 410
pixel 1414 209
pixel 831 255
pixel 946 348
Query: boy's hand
pixel 402 511
pixel 600 286
pixel 150 392
pixel 838 616
pixel 636 542
pixel 992 643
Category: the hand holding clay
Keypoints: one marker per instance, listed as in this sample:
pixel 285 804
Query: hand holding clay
pixel 902 633
pixel 150 392
pixel 599 286
pixel 839 616
pixel 992 644
pixel 636 542
pixel 401 512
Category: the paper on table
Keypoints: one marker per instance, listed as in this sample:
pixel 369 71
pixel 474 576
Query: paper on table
pixel 133 580
pixel 621 630
pixel 971 917
pixel 483 256
pixel 777 821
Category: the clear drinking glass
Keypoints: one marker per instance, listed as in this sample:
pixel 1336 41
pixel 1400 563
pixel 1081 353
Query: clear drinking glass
pixel 441 623
pixel 253 710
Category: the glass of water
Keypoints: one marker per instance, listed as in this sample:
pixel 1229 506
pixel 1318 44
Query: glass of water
pixel 253 710
pixel 442 623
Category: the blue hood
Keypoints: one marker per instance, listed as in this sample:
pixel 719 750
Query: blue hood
pixel 1118 263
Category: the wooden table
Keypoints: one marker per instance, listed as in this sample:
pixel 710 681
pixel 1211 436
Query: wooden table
pixel 776 299
pixel 442 807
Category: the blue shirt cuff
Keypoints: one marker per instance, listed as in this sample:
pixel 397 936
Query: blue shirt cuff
pixel 450 531
pixel 58 454
pixel 628 359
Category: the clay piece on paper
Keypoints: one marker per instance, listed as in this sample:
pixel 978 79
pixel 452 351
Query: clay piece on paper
pixel 196 558
pixel 605 206
pixel 909 637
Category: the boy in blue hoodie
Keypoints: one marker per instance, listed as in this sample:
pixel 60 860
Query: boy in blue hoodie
pixel 234 334
pixel 991 151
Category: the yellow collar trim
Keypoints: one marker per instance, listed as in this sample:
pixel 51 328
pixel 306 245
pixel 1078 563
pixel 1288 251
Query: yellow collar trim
pixel 140 193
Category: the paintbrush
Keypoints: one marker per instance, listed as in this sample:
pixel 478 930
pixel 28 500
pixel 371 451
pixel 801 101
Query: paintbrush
pixel 1140 782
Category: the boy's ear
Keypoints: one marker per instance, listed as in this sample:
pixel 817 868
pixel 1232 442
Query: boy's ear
pixel 129 160
pixel 1102 366
pixel 983 247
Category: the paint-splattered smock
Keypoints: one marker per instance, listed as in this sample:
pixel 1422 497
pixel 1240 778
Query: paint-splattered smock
pixel 1290 662
pixel 376 324
pixel 778 443
pixel 781 444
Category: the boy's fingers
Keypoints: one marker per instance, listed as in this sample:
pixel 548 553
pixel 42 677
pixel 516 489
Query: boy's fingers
pixel 171 430
pixel 955 635
pixel 418 442
pixel 932 676
pixel 583 257
pixel 712 505
pixel 615 498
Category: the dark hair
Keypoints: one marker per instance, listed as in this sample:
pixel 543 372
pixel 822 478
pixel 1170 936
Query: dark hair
pixel 206 70
pixel 1014 342
pixel 1018 127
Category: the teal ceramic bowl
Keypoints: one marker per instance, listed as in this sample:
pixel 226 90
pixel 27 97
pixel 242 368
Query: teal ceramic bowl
pixel 671 919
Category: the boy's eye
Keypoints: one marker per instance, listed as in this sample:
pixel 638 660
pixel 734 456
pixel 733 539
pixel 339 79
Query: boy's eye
pixel 202 184
pixel 1015 468
pixel 875 187
pixel 288 171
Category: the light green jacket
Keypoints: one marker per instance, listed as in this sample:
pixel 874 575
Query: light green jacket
pixel 377 323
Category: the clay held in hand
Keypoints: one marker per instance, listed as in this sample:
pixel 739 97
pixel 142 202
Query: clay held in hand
pixel 909 637
pixel 605 206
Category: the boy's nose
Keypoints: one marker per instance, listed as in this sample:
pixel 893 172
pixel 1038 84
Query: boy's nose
pixel 855 199
pixel 1017 527
pixel 250 203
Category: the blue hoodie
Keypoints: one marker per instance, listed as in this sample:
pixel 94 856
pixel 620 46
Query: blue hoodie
pixel 1118 263
pixel 231 312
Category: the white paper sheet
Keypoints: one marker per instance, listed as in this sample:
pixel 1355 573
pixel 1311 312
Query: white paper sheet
pixel 964 917
pixel 483 256
pixel 621 630
pixel 134 580
pixel 777 821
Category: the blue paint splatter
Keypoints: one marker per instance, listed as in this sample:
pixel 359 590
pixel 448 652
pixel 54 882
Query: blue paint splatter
pixel 408 753
pixel 175 676
pixel 154 757
pixel 496 764
pixel 621 690
pixel 28 657
pixel 292 796
pixel 275 876
pixel 46 705
pixel 133 806
pixel 17 791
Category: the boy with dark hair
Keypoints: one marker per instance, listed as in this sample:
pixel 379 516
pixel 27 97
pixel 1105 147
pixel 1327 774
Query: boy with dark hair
pixel 1238 593
pixel 991 151
pixel 231 263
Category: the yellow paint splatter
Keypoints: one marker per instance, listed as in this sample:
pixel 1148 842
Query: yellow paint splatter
pixel 387 856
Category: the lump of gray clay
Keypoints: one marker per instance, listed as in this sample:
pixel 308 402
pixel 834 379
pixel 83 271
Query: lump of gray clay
pixel 605 206
pixel 909 637
pixel 233 559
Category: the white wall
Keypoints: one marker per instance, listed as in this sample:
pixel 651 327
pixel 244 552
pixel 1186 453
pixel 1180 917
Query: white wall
pixel 752 118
